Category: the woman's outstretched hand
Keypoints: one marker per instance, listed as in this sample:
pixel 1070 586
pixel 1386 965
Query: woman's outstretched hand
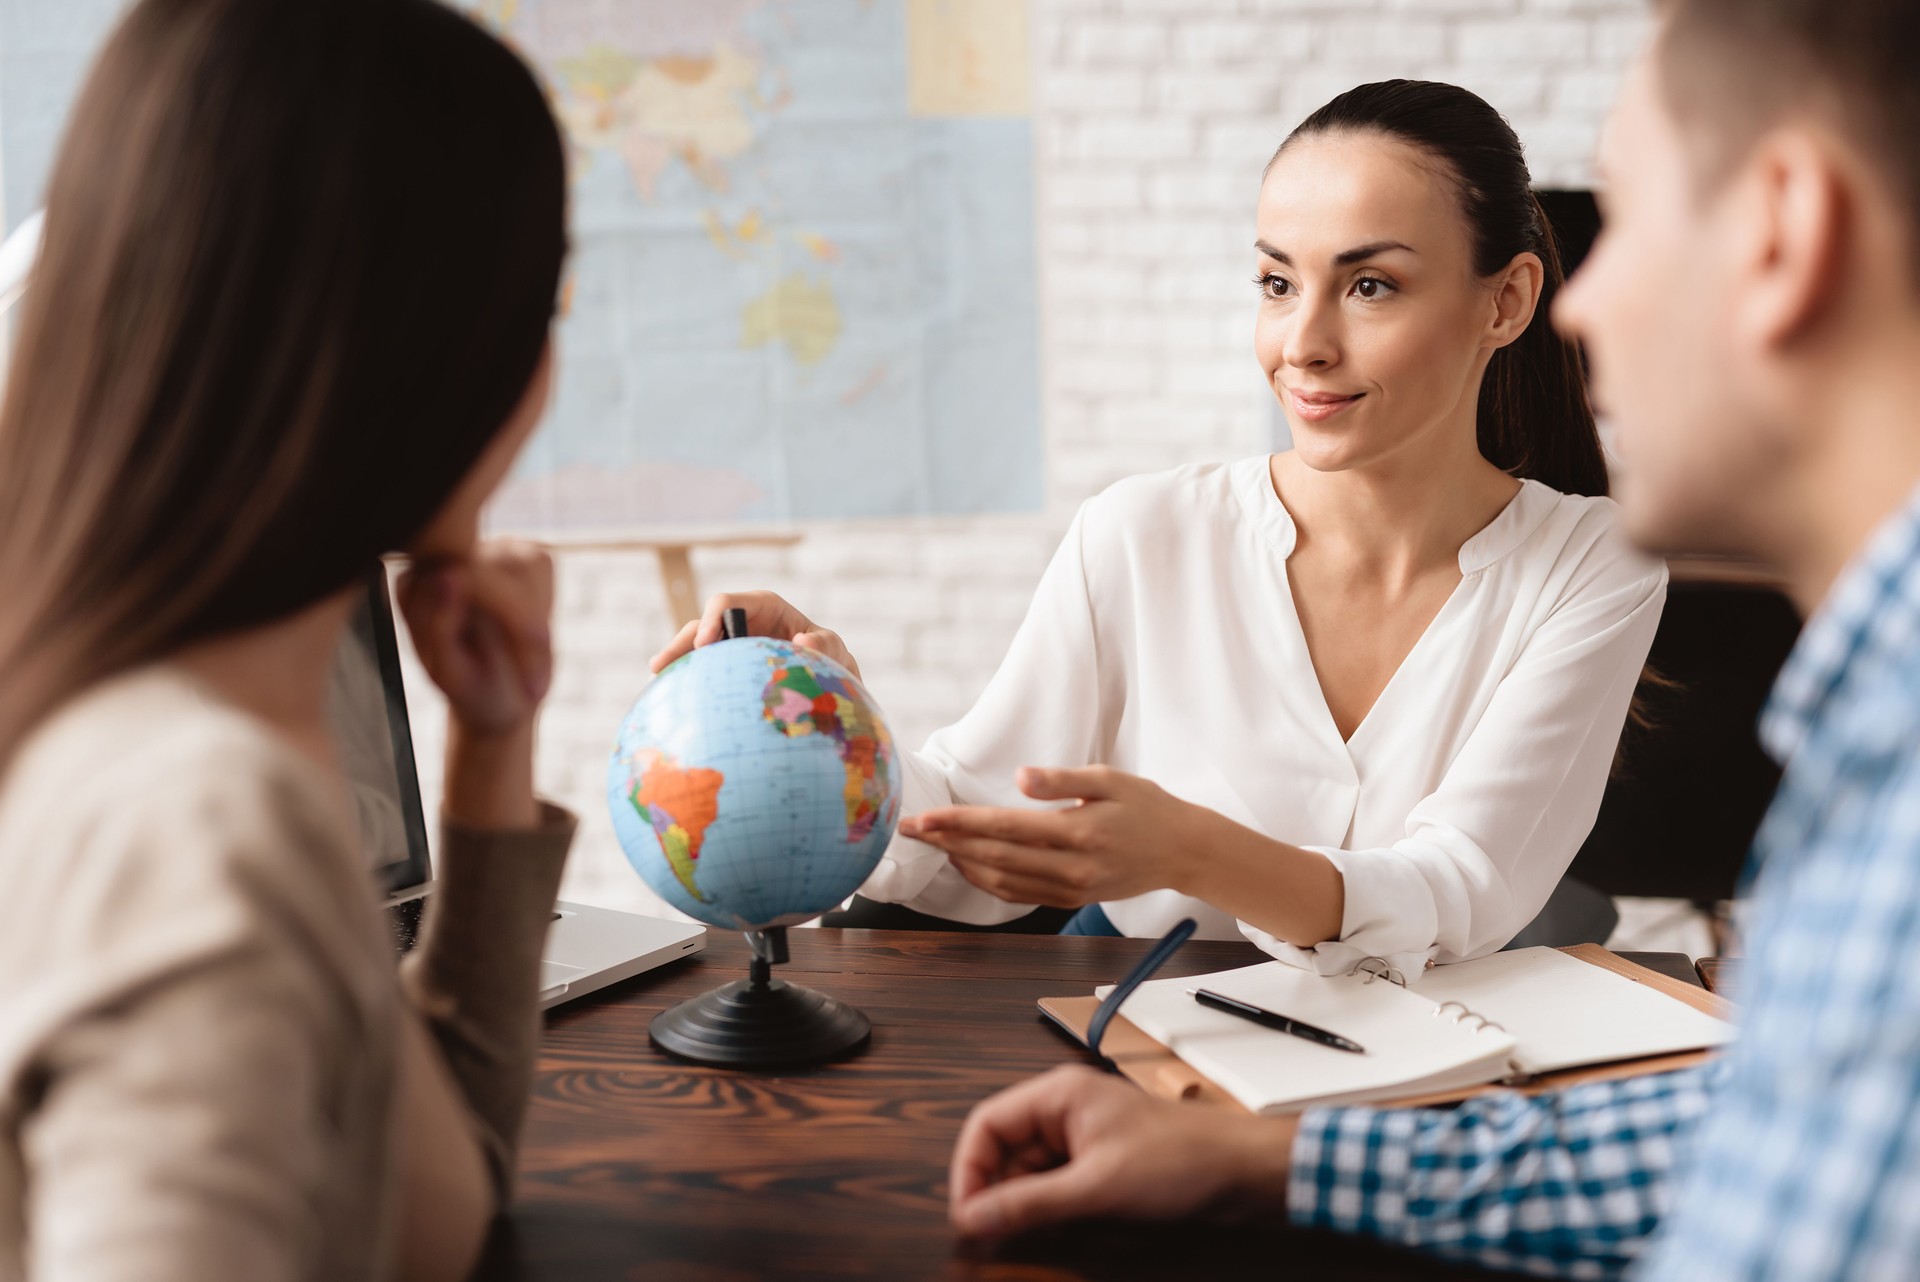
pixel 767 616
pixel 482 626
pixel 1123 836
pixel 1077 1144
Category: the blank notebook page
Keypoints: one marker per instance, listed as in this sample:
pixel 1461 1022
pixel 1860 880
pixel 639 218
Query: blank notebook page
pixel 1566 1013
pixel 1408 1050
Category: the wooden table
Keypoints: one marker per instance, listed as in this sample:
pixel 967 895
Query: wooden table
pixel 637 1166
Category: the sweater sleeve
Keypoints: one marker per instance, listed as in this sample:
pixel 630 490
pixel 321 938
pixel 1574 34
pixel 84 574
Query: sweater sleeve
pixel 475 978
pixel 1044 707
pixel 1484 850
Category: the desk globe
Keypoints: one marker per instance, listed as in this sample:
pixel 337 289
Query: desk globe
pixel 755 786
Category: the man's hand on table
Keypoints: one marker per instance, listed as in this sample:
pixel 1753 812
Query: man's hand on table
pixel 1077 1144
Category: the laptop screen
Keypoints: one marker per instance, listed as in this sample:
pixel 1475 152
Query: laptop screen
pixel 368 703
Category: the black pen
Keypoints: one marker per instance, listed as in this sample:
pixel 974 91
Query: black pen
pixel 1278 1023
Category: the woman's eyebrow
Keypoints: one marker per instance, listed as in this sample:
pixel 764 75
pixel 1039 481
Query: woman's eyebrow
pixel 1346 257
pixel 1360 253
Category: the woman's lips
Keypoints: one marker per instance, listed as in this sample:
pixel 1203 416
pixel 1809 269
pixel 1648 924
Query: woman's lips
pixel 1317 407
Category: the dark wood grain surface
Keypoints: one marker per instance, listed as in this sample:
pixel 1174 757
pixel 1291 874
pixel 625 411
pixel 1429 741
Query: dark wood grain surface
pixel 637 1166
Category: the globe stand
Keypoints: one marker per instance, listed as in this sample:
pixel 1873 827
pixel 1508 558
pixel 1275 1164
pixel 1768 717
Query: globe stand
pixel 760 1021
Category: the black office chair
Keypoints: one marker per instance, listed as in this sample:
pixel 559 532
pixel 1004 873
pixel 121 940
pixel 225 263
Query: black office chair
pixel 1691 788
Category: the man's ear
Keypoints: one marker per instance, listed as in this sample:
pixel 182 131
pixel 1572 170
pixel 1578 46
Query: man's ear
pixel 1516 293
pixel 1794 207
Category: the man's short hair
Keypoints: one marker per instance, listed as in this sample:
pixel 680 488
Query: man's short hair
pixel 1731 68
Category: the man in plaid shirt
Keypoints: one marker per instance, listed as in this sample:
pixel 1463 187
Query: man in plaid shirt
pixel 1753 312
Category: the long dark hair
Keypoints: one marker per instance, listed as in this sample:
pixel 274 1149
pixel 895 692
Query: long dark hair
pixel 1534 417
pixel 299 266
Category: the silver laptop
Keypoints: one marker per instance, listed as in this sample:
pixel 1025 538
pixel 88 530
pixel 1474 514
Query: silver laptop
pixel 587 948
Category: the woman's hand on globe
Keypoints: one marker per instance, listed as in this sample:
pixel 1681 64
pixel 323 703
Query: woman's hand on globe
pixel 1124 836
pixel 767 616
pixel 481 625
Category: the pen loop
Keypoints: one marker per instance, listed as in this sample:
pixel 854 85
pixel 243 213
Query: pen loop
pixel 1155 958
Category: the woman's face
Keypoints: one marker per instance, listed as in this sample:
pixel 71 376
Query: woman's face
pixel 1373 328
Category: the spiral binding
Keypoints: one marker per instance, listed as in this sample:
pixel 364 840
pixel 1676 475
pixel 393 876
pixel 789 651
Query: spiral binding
pixel 1462 1012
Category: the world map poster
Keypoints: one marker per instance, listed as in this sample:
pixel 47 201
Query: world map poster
pixel 802 283
pixel 802 280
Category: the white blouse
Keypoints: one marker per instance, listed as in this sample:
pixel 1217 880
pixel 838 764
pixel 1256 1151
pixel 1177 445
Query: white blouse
pixel 1163 641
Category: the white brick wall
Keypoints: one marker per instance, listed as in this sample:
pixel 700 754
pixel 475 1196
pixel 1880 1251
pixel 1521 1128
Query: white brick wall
pixel 1152 121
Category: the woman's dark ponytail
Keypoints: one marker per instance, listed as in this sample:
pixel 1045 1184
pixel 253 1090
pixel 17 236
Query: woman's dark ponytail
pixel 1534 419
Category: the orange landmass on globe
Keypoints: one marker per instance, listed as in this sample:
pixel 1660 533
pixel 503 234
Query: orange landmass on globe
pixel 679 805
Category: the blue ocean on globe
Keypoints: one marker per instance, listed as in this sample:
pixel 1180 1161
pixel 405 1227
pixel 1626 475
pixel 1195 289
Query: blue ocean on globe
pixel 754 784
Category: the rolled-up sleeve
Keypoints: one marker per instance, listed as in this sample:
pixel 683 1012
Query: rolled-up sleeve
pixel 1484 850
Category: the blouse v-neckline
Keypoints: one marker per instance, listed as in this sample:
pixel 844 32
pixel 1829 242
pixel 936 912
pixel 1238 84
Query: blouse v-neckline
pixel 1508 529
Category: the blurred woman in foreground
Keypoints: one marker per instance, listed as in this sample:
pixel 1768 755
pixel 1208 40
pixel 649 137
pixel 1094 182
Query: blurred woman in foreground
pixel 291 313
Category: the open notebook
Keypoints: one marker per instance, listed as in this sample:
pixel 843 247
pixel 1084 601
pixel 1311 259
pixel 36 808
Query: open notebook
pixel 1513 1014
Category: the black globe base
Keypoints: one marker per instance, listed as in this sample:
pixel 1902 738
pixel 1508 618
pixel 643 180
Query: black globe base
pixel 761 1022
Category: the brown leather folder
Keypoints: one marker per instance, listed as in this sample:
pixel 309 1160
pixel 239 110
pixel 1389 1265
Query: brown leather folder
pixel 1160 1072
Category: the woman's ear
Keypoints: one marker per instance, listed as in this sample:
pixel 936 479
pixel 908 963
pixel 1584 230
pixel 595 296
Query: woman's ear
pixel 1516 293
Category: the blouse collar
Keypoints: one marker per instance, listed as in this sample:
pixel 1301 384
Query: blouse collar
pixel 1511 528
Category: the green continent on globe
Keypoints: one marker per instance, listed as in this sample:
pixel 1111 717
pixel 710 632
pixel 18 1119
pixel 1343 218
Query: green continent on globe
pixel 679 805
pixel 801 702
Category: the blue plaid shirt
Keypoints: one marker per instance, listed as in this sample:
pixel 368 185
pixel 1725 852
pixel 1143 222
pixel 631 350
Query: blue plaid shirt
pixel 1797 1156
